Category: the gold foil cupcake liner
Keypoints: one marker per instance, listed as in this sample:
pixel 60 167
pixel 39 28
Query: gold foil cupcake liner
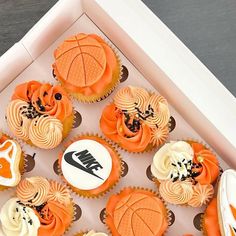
pixel 23 161
pixel 168 215
pixel 84 193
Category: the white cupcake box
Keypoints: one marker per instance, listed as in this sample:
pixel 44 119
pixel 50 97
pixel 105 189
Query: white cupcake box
pixel 156 59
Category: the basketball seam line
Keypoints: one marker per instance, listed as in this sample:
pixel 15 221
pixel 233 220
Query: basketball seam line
pixel 86 45
pixel 134 212
pixel 128 207
pixel 85 79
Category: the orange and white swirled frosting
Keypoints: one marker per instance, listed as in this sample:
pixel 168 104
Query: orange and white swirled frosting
pixel 135 114
pixel 202 194
pixel 176 192
pixel 37 112
pixel 33 190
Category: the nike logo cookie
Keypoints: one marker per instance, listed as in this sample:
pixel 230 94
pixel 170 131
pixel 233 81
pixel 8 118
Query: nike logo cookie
pixel 90 164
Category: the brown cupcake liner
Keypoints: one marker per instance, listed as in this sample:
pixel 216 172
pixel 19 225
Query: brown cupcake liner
pixel 84 193
pixel 167 213
pixel 110 88
pixel 23 161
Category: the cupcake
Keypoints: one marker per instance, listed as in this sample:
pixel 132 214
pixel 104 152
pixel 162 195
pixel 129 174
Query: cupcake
pixel 226 203
pixel 185 173
pixel 91 233
pixel 210 221
pixel 87 67
pixel 136 212
pixel 136 120
pixel 40 114
pixel 41 207
pixel 11 162
pixel 90 165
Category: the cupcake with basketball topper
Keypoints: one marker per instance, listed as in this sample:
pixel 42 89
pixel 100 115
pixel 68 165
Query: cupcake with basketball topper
pixel 87 67
pixel 185 172
pixel 41 207
pixel 136 120
pixel 90 165
pixel 40 114
pixel 136 212
pixel 12 163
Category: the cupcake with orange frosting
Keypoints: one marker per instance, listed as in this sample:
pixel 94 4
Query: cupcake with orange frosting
pixel 87 67
pixel 185 173
pixel 136 212
pixel 40 114
pixel 12 164
pixel 40 208
pixel 90 165
pixel 136 119
pixel 210 221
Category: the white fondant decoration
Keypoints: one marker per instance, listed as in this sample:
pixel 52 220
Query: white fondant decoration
pixel 10 155
pixel 86 164
pixel 227 197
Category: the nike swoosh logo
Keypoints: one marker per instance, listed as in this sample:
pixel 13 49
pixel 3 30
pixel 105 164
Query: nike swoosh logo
pixel 68 158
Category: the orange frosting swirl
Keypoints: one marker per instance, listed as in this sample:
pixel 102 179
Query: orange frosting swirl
pixel 53 101
pixel 33 191
pixel 210 220
pixel 46 132
pixel 161 113
pixel 202 194
pixel 54 218
pixel 125 100
pixel 114 126
pixel 59 193
pixel 130 98
pixel 18 123
pixel 85 64
pixel 209 170
pixel 179 192
pixel 159 135
pixel 26 90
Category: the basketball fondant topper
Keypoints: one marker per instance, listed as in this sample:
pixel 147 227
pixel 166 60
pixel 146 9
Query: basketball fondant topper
pixel 86 164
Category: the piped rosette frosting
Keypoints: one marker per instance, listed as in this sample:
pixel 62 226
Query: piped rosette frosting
pixel 38 114
pixel 137 120
pixel 41 208
pixel 185 173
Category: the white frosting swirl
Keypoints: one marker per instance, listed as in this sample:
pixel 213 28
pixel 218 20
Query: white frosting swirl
pixel 46 132
pixel 172 161
pixel 17 121
pixel 18 219
pixel 93 233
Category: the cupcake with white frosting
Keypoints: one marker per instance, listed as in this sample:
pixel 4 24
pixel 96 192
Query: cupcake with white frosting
pixel 40 208
pixel 40 114
pixel 185 173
